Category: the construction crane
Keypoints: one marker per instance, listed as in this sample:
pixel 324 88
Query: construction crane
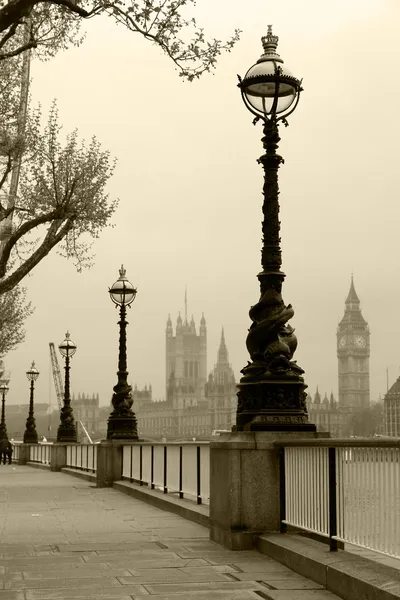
pixel 55 367
pixel 56 376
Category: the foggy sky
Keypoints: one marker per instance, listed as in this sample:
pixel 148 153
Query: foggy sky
pixel 190 194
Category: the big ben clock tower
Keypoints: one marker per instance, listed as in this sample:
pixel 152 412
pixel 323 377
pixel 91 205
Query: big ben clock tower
pixel 353 355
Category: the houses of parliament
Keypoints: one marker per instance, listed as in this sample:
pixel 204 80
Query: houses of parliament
pixel 197 403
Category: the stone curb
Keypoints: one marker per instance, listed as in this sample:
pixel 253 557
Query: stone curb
pixel 347 575
pixel 80 474
pixel 184 508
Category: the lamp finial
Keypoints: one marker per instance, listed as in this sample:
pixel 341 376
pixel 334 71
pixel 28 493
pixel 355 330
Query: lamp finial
pixel 270 44
pixel 122 271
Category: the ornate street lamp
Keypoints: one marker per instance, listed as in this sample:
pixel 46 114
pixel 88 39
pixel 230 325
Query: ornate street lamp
pixel 3 429
pixel 30 435
pixel 122 420
pixel 67 430
pixel 271 393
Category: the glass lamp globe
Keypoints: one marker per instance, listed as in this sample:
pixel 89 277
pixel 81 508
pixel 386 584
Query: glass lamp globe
pixel 67 347
pixel 33 373
pixel 269 88
pixel 122 292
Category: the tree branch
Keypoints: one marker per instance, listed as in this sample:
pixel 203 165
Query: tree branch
pixel 21 231
pixel 52 239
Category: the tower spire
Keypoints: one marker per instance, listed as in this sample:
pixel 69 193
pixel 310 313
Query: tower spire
pixel 185 303
pixel 352 297
pixel 223 351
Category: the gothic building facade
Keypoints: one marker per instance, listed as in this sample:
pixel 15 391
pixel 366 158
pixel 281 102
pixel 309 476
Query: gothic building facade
pixel 194 406
pixel 324 413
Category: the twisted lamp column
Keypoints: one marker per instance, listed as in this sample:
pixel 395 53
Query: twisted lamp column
pixel 122 423
pixel 271 394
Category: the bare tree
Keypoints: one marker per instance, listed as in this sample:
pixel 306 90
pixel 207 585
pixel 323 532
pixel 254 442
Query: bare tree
pixel 13 311
pixel 162 22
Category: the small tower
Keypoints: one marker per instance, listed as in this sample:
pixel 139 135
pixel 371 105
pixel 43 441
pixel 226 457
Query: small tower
pixel 186 360
pixel 203 349
pixel 317 397
pixel 221 390
pixel 353 350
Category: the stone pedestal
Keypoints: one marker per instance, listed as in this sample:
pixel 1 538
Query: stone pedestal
pixel 244 486
pixel 109 463
pixel 23 457
pixel 58 456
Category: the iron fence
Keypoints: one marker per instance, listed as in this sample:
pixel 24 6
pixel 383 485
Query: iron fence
pixel 342 490
pixel 82 456
pixel 40 453
pixel 181 469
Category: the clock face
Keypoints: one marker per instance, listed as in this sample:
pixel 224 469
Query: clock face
pixel 342 342
pixel 359 341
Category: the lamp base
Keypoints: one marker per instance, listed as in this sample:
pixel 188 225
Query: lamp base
pixel 122 427
pixel 272 406
pixel 30 437
pixel 67 433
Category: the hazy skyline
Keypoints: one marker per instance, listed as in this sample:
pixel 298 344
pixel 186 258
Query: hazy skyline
pixel 190 194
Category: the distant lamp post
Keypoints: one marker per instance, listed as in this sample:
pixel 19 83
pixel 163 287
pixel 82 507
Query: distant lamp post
pixel 67 430
pixel 3 429
pixel 122 420
pixel 30 435
pixel 271 393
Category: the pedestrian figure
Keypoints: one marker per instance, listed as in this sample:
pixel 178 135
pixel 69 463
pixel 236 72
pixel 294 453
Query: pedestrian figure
pixel 9 452
pixel 3 451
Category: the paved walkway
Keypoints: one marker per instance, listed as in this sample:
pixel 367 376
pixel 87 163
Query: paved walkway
pixel 63 539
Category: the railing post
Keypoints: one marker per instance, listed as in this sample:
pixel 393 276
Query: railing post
pixel 131 469
pixel 180 471
pixel 282 490
pixel 198 475
pixel 165 470
pixel 333 546
pixel 152 469
pixel 141 465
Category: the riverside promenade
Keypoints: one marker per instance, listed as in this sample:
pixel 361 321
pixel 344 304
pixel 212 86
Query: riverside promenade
pixel 61 538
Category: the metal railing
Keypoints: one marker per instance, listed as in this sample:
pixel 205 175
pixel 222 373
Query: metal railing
pixel 82 456
pixel 343 490
pixel 175 468
pixel 16 447
pixel 40 453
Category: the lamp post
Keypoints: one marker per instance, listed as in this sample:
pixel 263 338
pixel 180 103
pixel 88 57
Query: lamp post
pixel 3 429
pixel 67 430
pixel 122 420
pixel 30 435
pixel 271 394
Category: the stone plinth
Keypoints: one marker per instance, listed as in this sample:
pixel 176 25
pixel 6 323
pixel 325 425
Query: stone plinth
pixel 244 486
pixel 109 462
pixel 58 456
pixel 23 456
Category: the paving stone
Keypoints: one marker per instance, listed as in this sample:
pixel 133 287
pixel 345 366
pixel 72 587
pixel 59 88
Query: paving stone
pixel 174 588
pixel 293 584
pixel 62 582
pixel 209 569
pixel 299 595
pixel 170 576
pixel 79 573
pixel 64 594
pixel 208 595
pixel 66 540
pixel 274 577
